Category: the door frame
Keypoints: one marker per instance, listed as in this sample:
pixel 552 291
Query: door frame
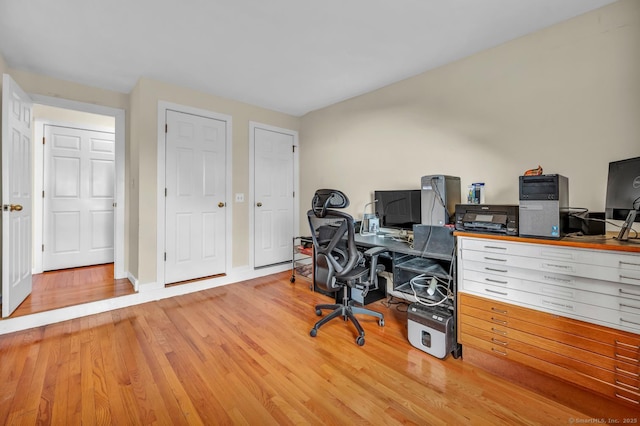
pixel 296 181
pixel 163 106
pixel 119 130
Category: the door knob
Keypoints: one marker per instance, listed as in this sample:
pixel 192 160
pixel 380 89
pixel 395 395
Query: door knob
pixel 259 204
pixel 12 207
pixel 221 204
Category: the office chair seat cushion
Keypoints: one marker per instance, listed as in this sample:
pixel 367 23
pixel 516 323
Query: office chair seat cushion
pixel 355 274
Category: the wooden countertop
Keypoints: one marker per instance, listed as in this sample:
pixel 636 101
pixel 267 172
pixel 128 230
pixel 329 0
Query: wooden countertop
pixel 597 242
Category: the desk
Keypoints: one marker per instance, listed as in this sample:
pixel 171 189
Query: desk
pixel 405 262
pixel 432 256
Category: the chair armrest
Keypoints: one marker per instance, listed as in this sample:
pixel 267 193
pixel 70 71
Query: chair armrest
pixel 373 254
pixel 375 251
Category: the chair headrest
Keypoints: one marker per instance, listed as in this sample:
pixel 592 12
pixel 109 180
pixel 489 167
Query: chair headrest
pixel 325 199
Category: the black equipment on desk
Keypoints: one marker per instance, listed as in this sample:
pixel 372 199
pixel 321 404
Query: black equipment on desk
pixel 487 218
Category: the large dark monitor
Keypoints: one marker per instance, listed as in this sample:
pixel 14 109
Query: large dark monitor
pixel 623 189
pixel 398 209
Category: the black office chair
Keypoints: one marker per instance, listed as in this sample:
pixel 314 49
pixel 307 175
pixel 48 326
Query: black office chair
pixel 339 265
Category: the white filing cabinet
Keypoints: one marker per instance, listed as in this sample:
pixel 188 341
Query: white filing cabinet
pixel 569 311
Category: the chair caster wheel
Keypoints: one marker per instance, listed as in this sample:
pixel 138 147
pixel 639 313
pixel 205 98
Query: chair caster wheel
pixel 313 332
pixel 292 279
pixel 381 322
pixel 318 312
pixel 360 340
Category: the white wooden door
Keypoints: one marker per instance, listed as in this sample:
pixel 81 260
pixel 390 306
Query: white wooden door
pixel 274 198
pixel 195 210
pixel 79 195
pixel 16 195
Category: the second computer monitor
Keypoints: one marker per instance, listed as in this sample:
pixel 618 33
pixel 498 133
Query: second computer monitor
pixel 398 209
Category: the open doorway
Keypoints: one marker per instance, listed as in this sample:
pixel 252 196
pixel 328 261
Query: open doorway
pixel 78 187
pixel 103 277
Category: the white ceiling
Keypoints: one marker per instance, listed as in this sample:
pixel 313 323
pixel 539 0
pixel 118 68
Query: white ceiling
pixel 292 56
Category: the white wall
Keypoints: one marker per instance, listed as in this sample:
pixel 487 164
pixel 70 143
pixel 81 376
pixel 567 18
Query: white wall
pixel 566 98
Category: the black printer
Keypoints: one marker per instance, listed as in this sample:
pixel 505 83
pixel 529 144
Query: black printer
pixel 487 218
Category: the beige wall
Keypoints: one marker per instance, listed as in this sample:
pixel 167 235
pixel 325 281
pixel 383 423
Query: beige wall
pixel 67 116
pixel 145 99
pixel 566 98
pixel 141 107
pixel 132 182
pixel 3 66
pixel 49 86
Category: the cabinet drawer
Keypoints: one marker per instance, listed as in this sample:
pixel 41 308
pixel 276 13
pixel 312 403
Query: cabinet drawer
pixel 500 260
pixel 623 341
pixel 471 267
pixel 612 299
pixel 505 326
pixel 587 361
pixel 627 317
pixel 616 260
pixel 620 391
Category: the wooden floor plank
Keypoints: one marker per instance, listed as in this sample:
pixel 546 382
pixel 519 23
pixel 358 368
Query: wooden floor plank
pixel 242 354
pixel 69 287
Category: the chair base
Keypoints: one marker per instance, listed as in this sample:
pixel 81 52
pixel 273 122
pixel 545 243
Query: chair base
pixel 347 311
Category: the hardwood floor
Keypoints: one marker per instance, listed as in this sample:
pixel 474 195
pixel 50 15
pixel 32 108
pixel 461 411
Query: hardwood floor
pixel 68 287
pixel 242 354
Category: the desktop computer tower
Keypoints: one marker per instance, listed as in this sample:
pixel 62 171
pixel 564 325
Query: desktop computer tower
pixel 439 196
pixel 544 206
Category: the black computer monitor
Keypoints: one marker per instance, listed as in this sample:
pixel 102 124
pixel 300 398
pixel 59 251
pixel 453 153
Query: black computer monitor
pixel 623 189
pixel 398 209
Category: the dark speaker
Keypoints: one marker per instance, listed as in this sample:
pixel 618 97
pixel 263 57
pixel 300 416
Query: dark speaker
pixel 588 223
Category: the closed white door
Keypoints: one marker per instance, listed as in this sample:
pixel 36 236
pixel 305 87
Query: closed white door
pixel 274 196
pixel 79 195
pixel 195 210
pixel 16 195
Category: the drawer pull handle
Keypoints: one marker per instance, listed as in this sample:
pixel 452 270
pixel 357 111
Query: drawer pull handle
pixel 626 358
pixel 630 293
pixel 628 263
pixel 488 290
pixel 498 352
pixel 497 321
pixel 562 280
pixel 561 267
pixel 504 271
pixel 495 259
pixel 496 281
pixel 557 254
pixel 624 305
pixel 499 311
pixel 630 322
pixel 495 330
pixel 498 248
pixel 626 385
pixel 630 373
pixel 499 342
pixel 618 342
pixel 625 277
pixel 627 399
